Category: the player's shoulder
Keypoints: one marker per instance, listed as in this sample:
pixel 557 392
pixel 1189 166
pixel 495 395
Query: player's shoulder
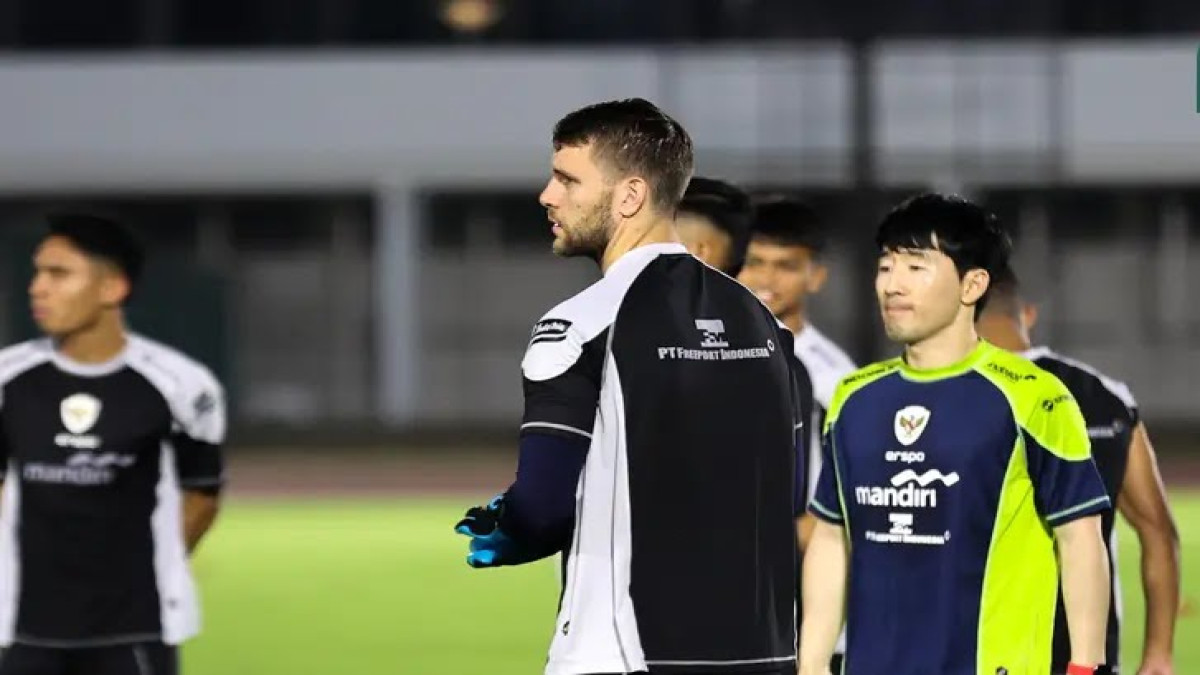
pixel 586 314
pixel 1013 372
pixel 190 389
pixel 1083 379
pixel 558 338
pixel 1026 385
pixel 18 358
pixel 822 353
pixel 169 368
pixel 861 379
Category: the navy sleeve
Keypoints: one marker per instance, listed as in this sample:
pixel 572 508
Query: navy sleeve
pixel 826 503
pixel 539 507
pixel 561 381
pixel 1066 483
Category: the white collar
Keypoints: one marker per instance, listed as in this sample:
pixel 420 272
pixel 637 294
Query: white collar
pixel 645 251
pixel 69 365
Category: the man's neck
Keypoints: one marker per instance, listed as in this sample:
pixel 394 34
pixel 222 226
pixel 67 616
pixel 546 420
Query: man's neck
pixel 633 235
pixel 1004 332
pixel 946 348
pixel 99 343
pixel 1012 343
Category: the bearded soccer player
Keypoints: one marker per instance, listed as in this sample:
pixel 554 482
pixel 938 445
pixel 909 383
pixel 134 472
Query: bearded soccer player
pixel 958 486
pixel 659 440
pixel 112 448
pixel 1123 454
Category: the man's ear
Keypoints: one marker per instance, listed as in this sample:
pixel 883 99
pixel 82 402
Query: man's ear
pixel 114 287
pixel 818 274
pixel 974 284
pixel 632 195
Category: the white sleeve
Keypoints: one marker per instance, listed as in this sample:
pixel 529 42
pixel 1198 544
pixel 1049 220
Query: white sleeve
pixel 201 414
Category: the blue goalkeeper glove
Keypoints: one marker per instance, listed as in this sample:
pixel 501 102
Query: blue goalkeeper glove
pixel 490 546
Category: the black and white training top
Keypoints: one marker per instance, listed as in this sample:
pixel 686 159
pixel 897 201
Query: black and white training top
pixel 1112 415
pixel 683 555
pixel 95 456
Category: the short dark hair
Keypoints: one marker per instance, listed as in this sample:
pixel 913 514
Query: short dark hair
pixel 727 207
pixel 102 238
pixel 634 136
pixel 964 231
pixel 787 221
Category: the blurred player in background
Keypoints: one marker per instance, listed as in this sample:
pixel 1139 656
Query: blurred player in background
pixel 784 267
pixel 112 448
pixel 1123 454
pixel 112 444
pixel 659 438
pixel 713 222
pixel 950 476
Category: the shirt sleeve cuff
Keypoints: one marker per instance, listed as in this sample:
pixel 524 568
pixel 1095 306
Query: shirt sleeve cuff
pixel 555 429
pixel 1088 508
pixel 824 513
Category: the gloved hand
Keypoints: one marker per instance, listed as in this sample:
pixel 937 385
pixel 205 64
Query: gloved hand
pixel 490 546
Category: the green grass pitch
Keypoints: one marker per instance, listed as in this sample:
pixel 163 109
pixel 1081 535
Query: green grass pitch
pixel 375 588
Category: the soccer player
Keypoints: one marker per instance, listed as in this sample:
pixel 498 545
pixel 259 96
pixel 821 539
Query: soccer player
pixel 951 476
pixel 1123 454
pixel 713 222
pixel 659 437
pixel 111 445
pixel 785 266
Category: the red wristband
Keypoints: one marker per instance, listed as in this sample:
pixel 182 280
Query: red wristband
pixel 1076 669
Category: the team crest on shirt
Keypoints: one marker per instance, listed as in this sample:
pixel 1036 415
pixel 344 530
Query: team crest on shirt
pixel 88 464
pixel 910 423
pixel 79 412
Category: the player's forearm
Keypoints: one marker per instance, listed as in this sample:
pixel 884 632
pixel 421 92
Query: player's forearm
pixel 1143 503
pixel 541 502
pixel 1160 584
pixel 1085 586
pixel 199 513
pixel 824 585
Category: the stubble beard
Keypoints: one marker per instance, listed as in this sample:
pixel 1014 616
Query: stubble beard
pixel 589 238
